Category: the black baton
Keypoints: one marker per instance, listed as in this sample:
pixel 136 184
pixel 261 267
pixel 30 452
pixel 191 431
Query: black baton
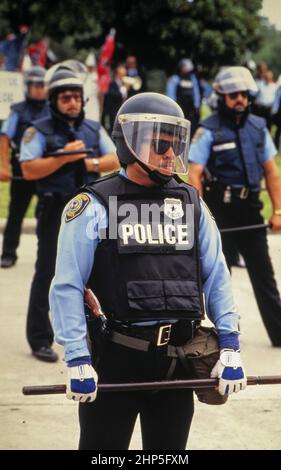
pixel 245 227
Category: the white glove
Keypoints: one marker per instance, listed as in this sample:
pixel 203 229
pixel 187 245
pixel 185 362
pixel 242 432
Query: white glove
pixel 82 381
pixel 230 371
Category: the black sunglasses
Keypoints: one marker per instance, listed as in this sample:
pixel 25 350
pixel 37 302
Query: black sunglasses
pixel 161 146
pixel 235 94
pixel 69 96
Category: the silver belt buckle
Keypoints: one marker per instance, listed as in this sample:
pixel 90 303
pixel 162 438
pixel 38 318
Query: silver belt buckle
pixel 164 335
pixel 244 193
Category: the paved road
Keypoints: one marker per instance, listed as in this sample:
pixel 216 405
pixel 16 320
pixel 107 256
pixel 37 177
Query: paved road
pixel 250 420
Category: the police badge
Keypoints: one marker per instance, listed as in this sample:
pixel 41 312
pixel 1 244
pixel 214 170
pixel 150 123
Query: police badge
pixel 173 208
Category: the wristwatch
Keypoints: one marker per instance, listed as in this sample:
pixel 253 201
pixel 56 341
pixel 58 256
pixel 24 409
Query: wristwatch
pixel 96 164
pixel 277 212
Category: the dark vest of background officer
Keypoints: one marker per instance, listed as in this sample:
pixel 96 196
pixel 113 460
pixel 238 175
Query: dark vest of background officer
pixel 21 191
pixel 237 150
pixel 184 88
pixel 57 177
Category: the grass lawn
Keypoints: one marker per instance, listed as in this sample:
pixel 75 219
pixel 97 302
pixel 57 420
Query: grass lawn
pixel 4 201
pixel 4 188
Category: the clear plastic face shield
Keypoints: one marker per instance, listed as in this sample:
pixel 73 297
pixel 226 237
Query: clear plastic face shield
pixel 159 141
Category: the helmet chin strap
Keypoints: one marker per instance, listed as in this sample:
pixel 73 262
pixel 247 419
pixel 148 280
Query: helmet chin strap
pixel 154 175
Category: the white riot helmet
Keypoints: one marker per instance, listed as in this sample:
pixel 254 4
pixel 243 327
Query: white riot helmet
pixel 233 79
pixel 70 64
pixel 186 65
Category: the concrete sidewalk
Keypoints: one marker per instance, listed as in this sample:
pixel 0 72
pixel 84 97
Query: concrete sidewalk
pixel 250 420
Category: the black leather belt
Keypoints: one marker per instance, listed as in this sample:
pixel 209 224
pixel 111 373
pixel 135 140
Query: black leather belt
pixel 228 192
pixel 55 195
pixel 241 193
pixel 177 333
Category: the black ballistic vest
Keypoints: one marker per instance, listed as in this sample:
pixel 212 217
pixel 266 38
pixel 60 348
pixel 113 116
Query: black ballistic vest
pixel 57 134
pixel 237 152
pixel 141 274
pixel 27 111
pixel 185 93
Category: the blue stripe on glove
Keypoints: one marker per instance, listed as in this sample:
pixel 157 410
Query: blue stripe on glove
pixel 232 374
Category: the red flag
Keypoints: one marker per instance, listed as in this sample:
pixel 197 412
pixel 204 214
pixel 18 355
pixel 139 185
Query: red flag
pixel 105 57
pixel 38 52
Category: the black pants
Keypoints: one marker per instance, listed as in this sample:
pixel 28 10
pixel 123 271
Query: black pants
pixel 253 247
pixel 39 329
pixel 165 416
pixel 193 115
pixel 21 192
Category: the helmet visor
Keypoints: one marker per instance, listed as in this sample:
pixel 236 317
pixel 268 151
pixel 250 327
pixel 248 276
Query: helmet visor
pixel 161 142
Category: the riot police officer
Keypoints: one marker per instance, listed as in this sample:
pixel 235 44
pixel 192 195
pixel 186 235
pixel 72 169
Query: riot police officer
pixel 57 177
pixel 184 88
pixel 135 239
pixel 21 191
pixel 237 150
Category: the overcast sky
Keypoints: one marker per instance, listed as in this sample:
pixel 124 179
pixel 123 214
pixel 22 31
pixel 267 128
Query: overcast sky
pixel 272 9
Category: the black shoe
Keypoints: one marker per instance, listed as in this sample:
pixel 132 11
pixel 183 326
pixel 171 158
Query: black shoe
pixel 45 353
pixel 7 261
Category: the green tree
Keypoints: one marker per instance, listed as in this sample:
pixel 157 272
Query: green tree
pixel 270 50
pixel 159 32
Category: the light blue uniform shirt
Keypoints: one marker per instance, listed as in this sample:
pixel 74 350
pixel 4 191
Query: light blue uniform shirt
pixel 9 126
pixel 77 244
pixel 171 89
pixel 37 146
pixel 276 102
pixel 200 149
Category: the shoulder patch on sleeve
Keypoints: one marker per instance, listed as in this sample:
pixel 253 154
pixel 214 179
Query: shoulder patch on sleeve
pixel 29 134
pixel 76 206
pixel 198 134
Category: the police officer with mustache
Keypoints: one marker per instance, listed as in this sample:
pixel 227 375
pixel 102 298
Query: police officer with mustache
pixel 148 247
pixel 45 159
pixel 238 152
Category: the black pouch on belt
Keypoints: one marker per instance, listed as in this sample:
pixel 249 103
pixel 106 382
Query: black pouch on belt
pixel 199 355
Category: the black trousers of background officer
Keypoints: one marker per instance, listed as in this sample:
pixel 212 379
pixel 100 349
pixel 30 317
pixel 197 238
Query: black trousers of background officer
pixel 193 115
pixel 253 246
pixel 21 192
pixel 39 329
pixel 165 416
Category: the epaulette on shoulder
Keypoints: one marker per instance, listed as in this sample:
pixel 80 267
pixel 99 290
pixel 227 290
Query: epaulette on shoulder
pixel 90 187
pixel 184 183
pixel 257 121
pixel 18 107
pixel 44 125
pixel 212 122
pixel 93 125
pixel 102 179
